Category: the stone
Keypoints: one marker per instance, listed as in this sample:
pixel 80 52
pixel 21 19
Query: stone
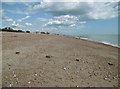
pixel 10 85
pixel 105 78
pixel 17 52
pixel 29 82
pixel 110 64
pixel 48 56
pixel 42 32
pixel 14 75
pixel 77 86
pixel 35 74
pixel 77 59
pixel 64 68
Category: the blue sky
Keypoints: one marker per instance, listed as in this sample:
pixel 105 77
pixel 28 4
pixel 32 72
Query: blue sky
pixel 62 17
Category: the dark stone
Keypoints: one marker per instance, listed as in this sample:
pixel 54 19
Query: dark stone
pixel 48 56
pixel 110 64
pixel 47 33
pixel 42 32
pixel 17 52
pixel 77 59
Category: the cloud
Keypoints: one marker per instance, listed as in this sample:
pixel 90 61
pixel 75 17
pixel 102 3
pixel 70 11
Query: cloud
pixel 7 19
pixel 28 24
pixel 15 24
pixel 83 10
pixel 20 20
pixel 64 21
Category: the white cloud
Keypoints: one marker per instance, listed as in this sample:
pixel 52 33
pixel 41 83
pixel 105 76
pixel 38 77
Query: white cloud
pixel 20 20
pixel 65 21
pixel 28 24
pixel 15 24
pixel 84 10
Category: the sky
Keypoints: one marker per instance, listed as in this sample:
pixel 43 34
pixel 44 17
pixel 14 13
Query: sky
pixel 65 17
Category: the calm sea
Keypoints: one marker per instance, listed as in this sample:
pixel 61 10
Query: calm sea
pixel 110 39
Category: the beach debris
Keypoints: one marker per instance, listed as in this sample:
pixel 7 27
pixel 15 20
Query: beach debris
pixel 10 85
pixel 90 76
pixel 99 67
pixel 17 52
pixel 47 56
pixel 29 82
pixel 14 75
pixel 42 32
pixel 47 33
pixel 105 78
pixel 90 72
pixel 77 86
pixel 110 64
pixel 35 74
pixel 64 68
pixel 77 59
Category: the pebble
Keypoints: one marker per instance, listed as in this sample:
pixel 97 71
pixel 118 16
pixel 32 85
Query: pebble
pixel 110 64
pixel 105 78
pixel 35 74
pixel 14 75
pixel 48 56
pixel 17 52
pixel 10 85
pixel 99 67
pixel 77 59
pixel 64 68
pixel 29 82
pixel 90 72
pixel 77 86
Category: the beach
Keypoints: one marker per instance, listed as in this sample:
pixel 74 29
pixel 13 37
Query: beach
pixel 49 60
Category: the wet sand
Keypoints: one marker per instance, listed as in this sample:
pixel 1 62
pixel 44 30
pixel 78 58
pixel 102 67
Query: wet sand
pixel 41 60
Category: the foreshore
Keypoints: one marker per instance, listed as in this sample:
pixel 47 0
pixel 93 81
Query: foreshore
pixel 49 60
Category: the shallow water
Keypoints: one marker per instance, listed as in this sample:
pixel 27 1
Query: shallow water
pixel 111 39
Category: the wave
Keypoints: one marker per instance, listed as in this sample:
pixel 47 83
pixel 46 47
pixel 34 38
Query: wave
pixel 108 43
pixel 103 42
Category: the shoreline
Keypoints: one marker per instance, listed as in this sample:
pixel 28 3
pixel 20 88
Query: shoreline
pixel 91 40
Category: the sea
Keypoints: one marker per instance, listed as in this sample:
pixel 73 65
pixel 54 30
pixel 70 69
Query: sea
pixel 109 39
